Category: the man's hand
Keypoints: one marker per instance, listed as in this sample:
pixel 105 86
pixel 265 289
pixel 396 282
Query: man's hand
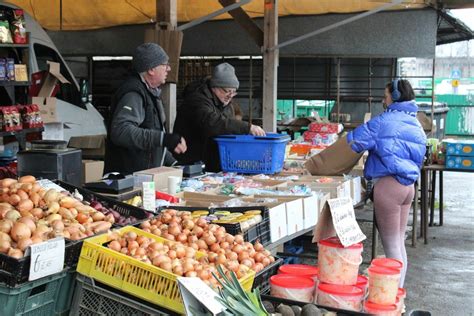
pixel 256 130
pixel 181 147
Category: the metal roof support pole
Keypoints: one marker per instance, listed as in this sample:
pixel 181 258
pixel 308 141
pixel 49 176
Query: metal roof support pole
pixel 212 15
pixel 338 88
pixel 270 65
pixel 433 98
pixel 167 18
pixel 335 25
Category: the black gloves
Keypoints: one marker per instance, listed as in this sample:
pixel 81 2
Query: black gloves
pixel 171 141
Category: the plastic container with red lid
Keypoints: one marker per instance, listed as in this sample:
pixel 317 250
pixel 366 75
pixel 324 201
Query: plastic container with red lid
pixel 347 297
pixel 303 270
pixel 338 264
pixel 383 285
pixel 401 295
pixel 362 282
pixel 292 287
pixel 379 309
pixel 387 263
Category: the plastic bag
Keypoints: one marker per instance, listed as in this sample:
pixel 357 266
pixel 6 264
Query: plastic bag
pixel 18 27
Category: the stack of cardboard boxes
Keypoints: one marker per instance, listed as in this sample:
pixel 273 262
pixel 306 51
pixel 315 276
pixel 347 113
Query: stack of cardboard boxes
pixel 460 154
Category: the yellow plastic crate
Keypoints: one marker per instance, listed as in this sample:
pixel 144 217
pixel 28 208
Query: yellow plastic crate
pixel 133 276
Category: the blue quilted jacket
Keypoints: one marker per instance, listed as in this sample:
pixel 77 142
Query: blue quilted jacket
pixel 396 143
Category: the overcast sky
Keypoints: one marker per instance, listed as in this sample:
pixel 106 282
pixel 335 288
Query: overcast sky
pixel 465 15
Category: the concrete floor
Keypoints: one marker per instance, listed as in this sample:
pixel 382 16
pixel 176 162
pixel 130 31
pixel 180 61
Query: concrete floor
pixel 440 276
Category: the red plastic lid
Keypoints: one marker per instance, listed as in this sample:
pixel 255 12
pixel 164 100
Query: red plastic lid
pixel 362 280
pixel 291 281
pixel 379 307
pixel 299 270
pixel 336 243
pixel 383 270
pixel 342 290
pixel 387 262
pixel 402 292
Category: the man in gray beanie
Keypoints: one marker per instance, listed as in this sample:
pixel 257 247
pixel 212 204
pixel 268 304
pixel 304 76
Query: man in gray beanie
pixel 207 112
pixel 136 134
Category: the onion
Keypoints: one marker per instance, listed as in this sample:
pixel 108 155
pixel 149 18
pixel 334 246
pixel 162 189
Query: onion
pixel 4 246
pixel 36 240
pixel 258 267
pixel 259 257
pixel 221 259
pixel 13 215
pixel 37 212
pixel 224 245
pixel 232 265
pixel 191 274
pixel 20 231
pixel 190 252
pixel 4 236
pixel 202 244
pixel 210 240
pixel 203 275
pixel 114 245
pixel 265 261
pixel 239 239
pixel 15 253
pixel 24 243
pixel 178 270
pixel 238 248
pixel 166 218
pixel 168 236
pixel 243 255
pixel 29 222
pixel 172 254
pixel 145 224
pixel 188 224
pixel 174 230
pixel 247 262
pixel 156 246
pixel 141 240
pixel 229 238
pixel 258 246
pixel 198 231
pixel 27 179
pixel 232 255
pixel 14 199
pixel 6 225
pixel 22 194
pixel 35 198
pixel 156 232
pixel 131 236
pixel 180 252
pixel 132 245
pixel 166 266
pixel 201 222
pixel 182 238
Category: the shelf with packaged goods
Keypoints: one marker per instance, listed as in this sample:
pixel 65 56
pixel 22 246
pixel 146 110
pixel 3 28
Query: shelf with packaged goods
pixel 20 135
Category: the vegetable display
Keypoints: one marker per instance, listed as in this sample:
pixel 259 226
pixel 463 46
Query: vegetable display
pixel 221 247
pixel 31 214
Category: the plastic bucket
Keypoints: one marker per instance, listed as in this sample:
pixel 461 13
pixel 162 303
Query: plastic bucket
pixel 292 287
pixel 383 285
pixel 302 270
pixel 401 294
pixel 362 283
pixel 346 297
pixel 338 264
pixel 387 263
pixel 378 309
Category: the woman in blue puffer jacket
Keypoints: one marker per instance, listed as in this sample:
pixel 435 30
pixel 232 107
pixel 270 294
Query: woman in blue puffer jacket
pixel 396 143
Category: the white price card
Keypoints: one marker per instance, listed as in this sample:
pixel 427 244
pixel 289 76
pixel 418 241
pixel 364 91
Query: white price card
pixel 46 258
pixel 148 193
pixel 198 296
pixel 48 184
pixel 344 221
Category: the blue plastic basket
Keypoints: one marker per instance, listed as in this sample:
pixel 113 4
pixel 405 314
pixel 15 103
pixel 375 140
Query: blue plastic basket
pixel 252 154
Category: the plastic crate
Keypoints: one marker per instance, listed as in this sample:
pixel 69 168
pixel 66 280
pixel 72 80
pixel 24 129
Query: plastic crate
pixel 260 232
pixel 63 302
pixel 120 207
pixel 133 276
pixel 33 298
pixel 262 279
pixel 93 298
pixel 16 271
pixel 339 312
pixel 252 154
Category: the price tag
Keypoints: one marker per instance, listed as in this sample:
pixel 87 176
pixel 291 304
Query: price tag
pixel 48 184
pixel 344 221
pixel 198 297
pixel 46 258
pixel 148 193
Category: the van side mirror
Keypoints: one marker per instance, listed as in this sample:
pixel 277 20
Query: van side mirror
pixel 85 95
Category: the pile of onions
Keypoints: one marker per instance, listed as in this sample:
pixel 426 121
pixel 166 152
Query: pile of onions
pixel 170 256
pixel 30 214
pixel 197 233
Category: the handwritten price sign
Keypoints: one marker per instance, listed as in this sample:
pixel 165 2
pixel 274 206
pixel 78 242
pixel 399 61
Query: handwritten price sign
pixel 344 221
pixel 46 258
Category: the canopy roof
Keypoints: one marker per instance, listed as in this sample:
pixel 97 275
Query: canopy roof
pixel 93 14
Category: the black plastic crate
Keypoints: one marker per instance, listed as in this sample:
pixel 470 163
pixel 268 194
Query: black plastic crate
pixel 339 312
pixel 94 298
pixel 123 209
pixel 16 271
pixel 262 279
pixel 260 232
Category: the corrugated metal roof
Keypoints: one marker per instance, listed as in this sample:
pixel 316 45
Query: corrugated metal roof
pixel 451 30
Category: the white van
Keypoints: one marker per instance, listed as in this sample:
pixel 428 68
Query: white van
pixel 79 118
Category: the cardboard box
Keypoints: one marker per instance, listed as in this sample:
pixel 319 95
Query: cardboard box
pixel 51 79
pixel 335 189
pixel 93 146
pixel 294 214
pixel 345 183
pixel 159 175
pixel 47 108
pixel 92 170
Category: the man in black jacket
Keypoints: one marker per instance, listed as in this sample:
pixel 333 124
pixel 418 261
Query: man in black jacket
pixel 136 135
pixel 206 113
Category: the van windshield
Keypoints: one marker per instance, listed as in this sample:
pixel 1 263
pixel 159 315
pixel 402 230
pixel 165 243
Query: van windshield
pixel 67 92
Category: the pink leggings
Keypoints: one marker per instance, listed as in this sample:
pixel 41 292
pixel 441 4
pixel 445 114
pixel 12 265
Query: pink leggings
pixel 392 202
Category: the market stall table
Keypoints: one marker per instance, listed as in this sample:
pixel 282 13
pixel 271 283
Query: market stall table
pixel 427 203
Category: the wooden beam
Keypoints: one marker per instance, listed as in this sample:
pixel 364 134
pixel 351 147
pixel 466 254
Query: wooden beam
pixel 270 64
pixel 242 18
pixel 167 19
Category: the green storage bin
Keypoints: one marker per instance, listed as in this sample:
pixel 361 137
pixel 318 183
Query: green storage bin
pixel 32 298
pixel 64 300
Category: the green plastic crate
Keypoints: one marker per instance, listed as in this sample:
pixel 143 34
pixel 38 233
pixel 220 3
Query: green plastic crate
pixel 32 298
pixel 64 300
